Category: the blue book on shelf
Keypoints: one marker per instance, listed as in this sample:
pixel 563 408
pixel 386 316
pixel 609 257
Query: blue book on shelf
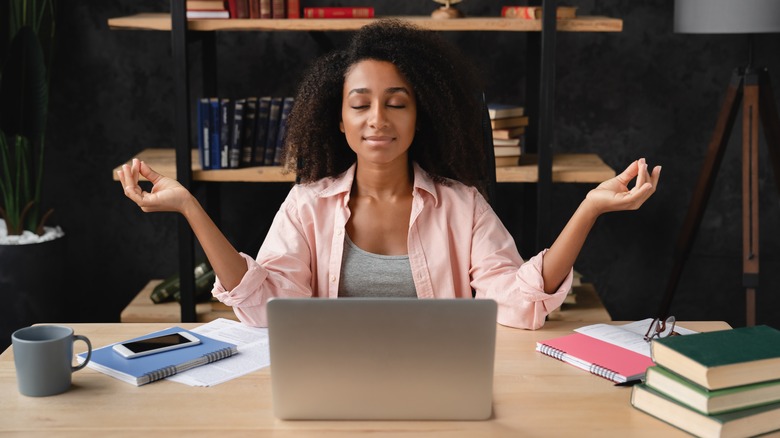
pixel 215 131
pixel 147 369
pixel 204 133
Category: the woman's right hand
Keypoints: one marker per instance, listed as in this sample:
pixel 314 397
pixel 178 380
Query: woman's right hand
pixel 167 194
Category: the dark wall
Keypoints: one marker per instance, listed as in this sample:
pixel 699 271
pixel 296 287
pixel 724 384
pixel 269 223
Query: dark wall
pixel 645 92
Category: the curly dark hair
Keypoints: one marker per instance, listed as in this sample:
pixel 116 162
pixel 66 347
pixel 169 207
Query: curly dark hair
pixel 448 143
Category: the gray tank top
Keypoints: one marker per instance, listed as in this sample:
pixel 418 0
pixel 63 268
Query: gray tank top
pixel 364 274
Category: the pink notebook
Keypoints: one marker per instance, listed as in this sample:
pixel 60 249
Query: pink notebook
pixel 598 357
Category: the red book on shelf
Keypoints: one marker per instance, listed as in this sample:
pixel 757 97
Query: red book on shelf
pixel 338 12
pixel 293 8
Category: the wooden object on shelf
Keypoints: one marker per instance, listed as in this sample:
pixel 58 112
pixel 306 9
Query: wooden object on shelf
pixel 142 309
pixel 567 168
pixel 162 21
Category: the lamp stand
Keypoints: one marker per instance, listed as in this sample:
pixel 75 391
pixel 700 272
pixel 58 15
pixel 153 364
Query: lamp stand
pixel 754 89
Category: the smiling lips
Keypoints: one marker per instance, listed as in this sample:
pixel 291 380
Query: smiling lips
pixel 378 140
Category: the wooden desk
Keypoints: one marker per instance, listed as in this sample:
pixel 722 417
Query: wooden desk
pixel 534 395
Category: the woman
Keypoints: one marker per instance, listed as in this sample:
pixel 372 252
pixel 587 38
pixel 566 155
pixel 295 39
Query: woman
pixel 384 139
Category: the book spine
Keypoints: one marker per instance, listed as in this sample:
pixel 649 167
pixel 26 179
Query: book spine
pixel 286 107
pixel 203 133
pixel 235 136
pixel 293 8
pixel 242 9
pixel 277 9
pixel 225 125
pixel 338 12
pixel 248 137
pixel 265 8
pixel 274 115
pixel 261 129
pixel 214 131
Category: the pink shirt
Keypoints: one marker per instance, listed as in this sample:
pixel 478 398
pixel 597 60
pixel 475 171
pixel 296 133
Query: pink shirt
pixel 456 243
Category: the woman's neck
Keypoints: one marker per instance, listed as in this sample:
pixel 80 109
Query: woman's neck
pixel 385 181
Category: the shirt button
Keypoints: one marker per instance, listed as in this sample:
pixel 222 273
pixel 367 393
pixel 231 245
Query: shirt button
pixel 339 231
pixel 332 278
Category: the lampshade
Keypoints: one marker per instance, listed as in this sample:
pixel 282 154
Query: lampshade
pixel 727 16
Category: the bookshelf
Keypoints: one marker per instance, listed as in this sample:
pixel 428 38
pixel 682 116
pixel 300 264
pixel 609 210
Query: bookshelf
pixel 542 168
pixel 566 168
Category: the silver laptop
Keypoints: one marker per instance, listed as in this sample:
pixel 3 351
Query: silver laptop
pixel 382 358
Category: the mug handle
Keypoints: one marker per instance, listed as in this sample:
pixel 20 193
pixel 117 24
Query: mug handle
pixel 89 351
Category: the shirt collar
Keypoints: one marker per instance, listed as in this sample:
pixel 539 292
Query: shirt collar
pixel 343 183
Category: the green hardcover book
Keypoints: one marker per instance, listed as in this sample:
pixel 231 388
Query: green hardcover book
pixel 741 423
pixel 724 358
pixel 711 402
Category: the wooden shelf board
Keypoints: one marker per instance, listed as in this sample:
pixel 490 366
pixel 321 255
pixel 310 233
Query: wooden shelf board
pixel 162 21
pixel 163 161
pixel 567 168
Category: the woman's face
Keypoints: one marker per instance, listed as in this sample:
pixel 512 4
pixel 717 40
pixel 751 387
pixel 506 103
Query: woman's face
pixel 378 112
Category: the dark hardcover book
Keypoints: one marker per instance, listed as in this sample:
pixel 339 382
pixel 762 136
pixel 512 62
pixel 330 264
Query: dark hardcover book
pixel 278 9
pixel 234 156
pixel 225 129
pixel 723 358
pixel 242 9
pixel 254 8
pixel 265 8
pixel 287 104
pixel 261 129
pixel 146 369
pixel 214 132
pixel 707 401
pixel 742 423
pixel 274 115
pixel 248 136
pixel 204 135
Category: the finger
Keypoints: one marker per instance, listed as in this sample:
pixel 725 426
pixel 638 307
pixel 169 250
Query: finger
pixel 627 175
pixel 642 175
pixel 148 172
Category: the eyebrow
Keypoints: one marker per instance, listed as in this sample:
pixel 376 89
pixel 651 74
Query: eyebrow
pixel 391 90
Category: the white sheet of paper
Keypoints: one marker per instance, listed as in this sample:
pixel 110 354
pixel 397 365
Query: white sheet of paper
pixel 629 336
pixel 252 347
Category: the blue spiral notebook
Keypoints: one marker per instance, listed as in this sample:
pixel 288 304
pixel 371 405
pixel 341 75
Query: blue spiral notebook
pixel 142 370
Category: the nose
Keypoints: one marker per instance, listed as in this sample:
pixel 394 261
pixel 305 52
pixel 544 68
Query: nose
pixel 377 117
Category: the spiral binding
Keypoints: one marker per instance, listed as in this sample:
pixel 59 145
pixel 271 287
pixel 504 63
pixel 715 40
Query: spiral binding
pixel 173 369
pixel 603 372
pixel 552 352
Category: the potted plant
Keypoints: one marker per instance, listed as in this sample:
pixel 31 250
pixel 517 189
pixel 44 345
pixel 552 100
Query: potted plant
pixel 31 255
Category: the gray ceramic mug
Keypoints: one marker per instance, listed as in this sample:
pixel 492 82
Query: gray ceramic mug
pixel 43 355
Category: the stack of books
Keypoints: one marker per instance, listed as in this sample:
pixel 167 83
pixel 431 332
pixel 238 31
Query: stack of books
pixel 715 384
pixel 207 9
pixel 508 122
pixel 241 132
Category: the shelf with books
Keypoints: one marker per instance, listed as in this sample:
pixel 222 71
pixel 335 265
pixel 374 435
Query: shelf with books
pixel 162 21
pixel 544 168
pixel 567 168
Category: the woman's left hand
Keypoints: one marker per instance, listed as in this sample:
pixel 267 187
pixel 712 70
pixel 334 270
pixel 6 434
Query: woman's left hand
pixel 614 194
